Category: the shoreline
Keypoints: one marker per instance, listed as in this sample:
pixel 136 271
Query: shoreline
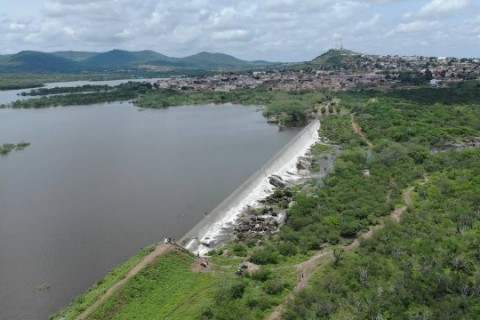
pixel 216 228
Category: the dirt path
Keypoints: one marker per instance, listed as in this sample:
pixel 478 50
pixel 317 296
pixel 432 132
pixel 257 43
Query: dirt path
pixel 358 130
pixel 305 268
pixel 159 250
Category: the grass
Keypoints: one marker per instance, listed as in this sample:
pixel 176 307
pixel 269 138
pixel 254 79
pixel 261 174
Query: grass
pixel 164 289
pixel 80 303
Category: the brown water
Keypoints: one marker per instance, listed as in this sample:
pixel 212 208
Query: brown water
pixel 99 182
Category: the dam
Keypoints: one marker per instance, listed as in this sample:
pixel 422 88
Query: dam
pixel 214 229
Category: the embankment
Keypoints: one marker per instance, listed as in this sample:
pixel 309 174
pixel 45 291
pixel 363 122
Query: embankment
pixel 216 227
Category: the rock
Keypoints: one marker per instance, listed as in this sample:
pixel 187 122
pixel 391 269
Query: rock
pixel 303 172
pixel 303 163
pixel 276 181
pixel 243 227
pixel 272 119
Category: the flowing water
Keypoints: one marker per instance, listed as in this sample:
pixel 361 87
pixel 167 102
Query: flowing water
pixel 100 182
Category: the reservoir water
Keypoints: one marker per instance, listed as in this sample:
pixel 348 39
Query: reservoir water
pixel 100 182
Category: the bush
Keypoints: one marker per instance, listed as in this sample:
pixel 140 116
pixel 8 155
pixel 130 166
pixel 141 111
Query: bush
pixel 287 249
pixel 264 256
pixel 274 286
pixel 261 275
pixel 229 290
pixel 239 249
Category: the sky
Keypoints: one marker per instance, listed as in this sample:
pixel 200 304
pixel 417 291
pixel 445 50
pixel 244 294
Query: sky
pixel 274 30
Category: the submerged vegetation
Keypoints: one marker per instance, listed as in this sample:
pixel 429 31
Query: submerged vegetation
pixel 424 267
pixel 6 148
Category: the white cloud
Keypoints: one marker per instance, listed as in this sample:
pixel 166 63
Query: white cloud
pixel 435 7
pixel 288 30
pixel 368 24
pixel 416 26
pixel 233 35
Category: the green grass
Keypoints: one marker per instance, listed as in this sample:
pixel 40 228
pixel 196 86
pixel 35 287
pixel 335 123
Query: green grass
pixel 158 291
pixel 80 303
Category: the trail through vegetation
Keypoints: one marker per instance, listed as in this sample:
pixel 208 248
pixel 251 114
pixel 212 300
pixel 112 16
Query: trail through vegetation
pixel 159 250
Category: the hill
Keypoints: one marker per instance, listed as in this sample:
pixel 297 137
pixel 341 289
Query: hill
pixel 116 60
pixel 120 58
pixel 335 58
pixel 214 60
pixel 75 55
pixel 33 61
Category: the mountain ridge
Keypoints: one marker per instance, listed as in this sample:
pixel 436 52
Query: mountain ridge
pixel 116 59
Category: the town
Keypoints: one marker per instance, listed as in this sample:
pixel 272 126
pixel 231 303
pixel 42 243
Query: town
pixel 337 70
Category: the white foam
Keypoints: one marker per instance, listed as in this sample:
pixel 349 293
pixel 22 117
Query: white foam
pixel 255 188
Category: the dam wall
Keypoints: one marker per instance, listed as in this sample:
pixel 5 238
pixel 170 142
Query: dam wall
pixel 216 227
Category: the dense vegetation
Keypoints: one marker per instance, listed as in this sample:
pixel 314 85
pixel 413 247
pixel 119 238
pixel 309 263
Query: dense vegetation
pixel 289 107
pixel 78 96
pixel 426 267
pixel 59 90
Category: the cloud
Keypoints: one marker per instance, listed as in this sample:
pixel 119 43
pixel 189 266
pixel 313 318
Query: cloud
pixel 435 7
pixel 439 7
pixel 416 26
pixel 280 30
pixel 368 24
pixel 232 35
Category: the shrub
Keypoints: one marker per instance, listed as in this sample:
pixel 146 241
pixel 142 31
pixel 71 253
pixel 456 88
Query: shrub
pixel 264 256
pixel 287 249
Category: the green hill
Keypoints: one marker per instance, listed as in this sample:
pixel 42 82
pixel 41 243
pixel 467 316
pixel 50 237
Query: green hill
pixel 33 61
pixel 214 60
pixel 75 55
pixel 335 58
pixel 118 59
pixel 115 60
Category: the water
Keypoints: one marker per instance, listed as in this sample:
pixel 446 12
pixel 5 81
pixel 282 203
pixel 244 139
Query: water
pixel 9 96
pixel 99 182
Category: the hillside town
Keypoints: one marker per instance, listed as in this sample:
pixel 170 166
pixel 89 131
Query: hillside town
pixel 348 71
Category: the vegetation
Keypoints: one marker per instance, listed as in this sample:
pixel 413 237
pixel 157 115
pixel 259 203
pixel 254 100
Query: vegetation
pixel 122 92
pixel 426 267
pixel 6 148
pixel 80 303
pixel 289 107
pixel 118 61
pixel 61 90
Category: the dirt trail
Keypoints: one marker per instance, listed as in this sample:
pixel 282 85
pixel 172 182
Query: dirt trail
pixel 159 250
pixel 305 268
pixel 358 130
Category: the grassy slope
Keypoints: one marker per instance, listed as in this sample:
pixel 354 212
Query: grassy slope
pixel 81 302
pixel 158 291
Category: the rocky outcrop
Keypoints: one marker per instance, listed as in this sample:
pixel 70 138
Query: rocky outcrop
pixel 304 163
pixel 472 143
pixel 276 181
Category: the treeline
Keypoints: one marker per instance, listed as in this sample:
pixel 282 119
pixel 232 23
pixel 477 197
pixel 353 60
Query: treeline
pixel 122 92
pixel 59 90
pixel 292 107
